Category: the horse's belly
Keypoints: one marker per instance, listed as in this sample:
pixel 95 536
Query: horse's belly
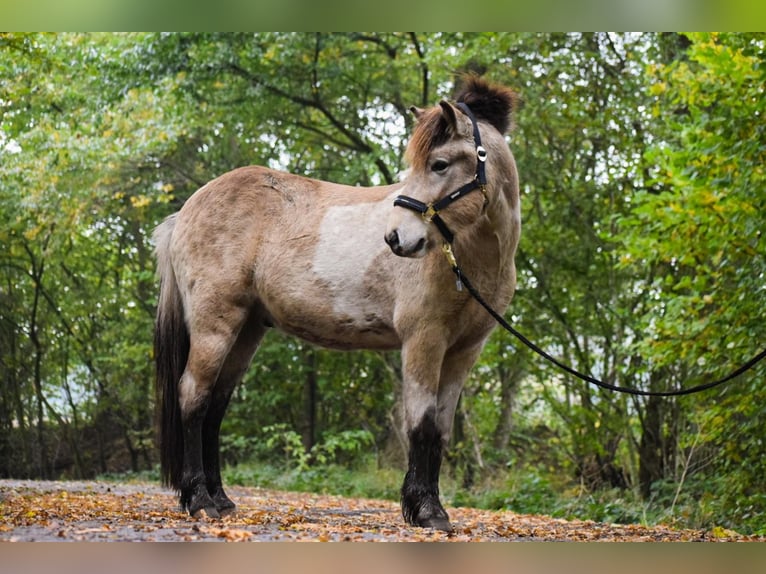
pixel 356 313
pixel 337 331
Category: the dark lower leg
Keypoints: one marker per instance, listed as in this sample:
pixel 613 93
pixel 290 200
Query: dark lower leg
pixel 211 456
pixel 420 491
pixel 194 496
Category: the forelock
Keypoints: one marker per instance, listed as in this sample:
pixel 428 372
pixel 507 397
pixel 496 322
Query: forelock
pixel 431 131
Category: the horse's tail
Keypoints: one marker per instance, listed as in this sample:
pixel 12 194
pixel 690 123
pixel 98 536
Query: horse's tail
pixel 171 351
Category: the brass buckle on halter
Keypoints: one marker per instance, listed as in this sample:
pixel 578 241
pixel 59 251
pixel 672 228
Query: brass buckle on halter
pixel 429 213
pixel 483 190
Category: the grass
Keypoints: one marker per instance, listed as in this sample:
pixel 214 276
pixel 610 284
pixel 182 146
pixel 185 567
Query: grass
pixel 366 481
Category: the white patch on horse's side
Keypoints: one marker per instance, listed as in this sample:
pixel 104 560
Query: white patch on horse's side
pixel 350 238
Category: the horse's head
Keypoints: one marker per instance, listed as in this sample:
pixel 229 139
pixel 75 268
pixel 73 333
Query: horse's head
pixel 446 152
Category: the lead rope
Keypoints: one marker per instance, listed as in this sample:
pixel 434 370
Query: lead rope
pixel 462 280
pixel 430 213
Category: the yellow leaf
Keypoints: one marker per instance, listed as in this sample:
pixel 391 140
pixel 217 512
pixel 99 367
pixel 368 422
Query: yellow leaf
pixel 708 197
pixel 139 201
pixel 721 532
pixel 31 234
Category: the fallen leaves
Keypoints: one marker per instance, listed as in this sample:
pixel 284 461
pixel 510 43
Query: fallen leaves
pixel 85 511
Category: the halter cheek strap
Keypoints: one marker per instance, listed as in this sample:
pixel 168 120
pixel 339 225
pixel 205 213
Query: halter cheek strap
pixel 430 211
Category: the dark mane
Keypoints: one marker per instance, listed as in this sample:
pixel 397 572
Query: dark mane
pixel 489 102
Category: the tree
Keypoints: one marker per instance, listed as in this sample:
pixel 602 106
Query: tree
pixel 700 228
pixel 641 259
pixel 77 273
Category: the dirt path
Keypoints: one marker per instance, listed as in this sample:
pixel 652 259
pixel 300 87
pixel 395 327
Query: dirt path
pixel 99 511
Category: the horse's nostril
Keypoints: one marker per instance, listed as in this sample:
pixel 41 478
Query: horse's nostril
pixel 420 244
pixel 392 239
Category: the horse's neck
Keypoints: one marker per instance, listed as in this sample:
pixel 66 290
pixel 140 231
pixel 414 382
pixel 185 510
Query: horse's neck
pixel 482 250
pixel 503 217
pixel 488 251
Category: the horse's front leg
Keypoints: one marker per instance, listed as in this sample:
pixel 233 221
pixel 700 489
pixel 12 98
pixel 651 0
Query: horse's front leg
pixel 432 385
pixel 421 367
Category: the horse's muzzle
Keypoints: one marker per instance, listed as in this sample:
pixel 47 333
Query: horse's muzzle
pixel 418 249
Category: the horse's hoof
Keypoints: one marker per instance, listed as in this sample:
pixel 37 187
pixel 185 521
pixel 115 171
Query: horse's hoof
pixel 437 523
pixel 201 505
pixel 223 503
pixel 209 511
pixel 428 513
pixel 227 510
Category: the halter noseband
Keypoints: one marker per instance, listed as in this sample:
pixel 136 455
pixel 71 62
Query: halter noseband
pixel 430 211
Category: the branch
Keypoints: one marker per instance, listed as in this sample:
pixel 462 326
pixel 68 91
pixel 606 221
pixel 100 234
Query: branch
pixel 551 307
pixel 378 41
pixel 424 98
pixel 181 171
pixel 357 143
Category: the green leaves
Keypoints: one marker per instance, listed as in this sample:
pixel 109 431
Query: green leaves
pixel 705 228
pixel 699 231
pixel 642 260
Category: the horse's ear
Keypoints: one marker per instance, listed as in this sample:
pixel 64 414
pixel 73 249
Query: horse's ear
pixel 448 113
pixel 417 112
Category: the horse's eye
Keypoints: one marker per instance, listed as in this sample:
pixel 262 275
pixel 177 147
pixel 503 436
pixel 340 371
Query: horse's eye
pixel 439 165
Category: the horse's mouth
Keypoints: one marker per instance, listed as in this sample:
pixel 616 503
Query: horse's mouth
pixel 416 251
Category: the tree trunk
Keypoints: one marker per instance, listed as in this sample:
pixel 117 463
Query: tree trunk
pixel 309 400
pixel 42 447
pixel 509 386
pixel 650 450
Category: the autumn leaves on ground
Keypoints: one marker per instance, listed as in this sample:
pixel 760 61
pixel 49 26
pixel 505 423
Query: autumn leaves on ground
pixel 99 511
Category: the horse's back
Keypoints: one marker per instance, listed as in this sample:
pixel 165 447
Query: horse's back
pixel 257 198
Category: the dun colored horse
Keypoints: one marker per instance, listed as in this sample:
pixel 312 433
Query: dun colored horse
pixel 346 268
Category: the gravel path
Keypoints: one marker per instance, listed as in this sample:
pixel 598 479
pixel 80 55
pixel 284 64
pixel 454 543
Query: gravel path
pixel 101 511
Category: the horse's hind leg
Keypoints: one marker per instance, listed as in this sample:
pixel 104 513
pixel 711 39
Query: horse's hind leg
pixel 211 340
pixel 231 374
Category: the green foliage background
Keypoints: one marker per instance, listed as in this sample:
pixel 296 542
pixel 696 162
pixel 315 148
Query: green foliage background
pixel 641 158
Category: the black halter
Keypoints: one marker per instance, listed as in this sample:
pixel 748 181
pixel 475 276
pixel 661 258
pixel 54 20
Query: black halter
pixel 430 211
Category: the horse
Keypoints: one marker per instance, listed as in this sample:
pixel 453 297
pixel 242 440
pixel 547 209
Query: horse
pixel 342 267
